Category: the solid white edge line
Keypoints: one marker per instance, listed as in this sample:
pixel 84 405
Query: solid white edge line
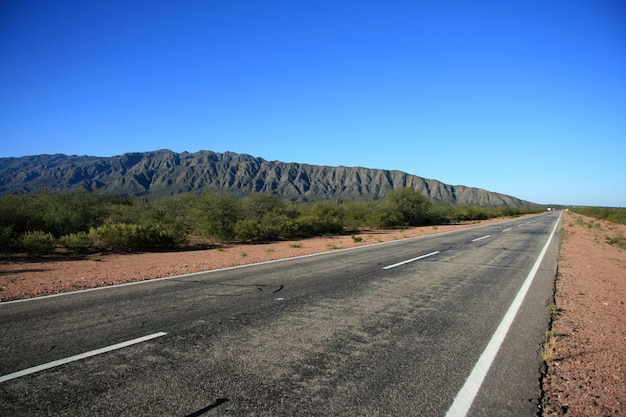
pixel 411 260
pixel 80 356
pixel 465 397
pixel 481 238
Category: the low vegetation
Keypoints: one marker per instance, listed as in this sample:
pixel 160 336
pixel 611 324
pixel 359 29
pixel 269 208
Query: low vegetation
pixel 84 222
pixel 549 346
pixel 619 241
pixel 611 214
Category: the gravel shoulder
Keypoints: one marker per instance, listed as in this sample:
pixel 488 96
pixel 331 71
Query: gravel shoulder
pixel 586 351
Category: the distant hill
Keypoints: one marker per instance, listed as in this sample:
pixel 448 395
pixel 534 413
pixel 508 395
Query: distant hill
pixel 160 173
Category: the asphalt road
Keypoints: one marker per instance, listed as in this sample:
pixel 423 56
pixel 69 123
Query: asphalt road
pixel 392 329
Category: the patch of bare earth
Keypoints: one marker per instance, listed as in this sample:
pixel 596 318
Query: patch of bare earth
pixel 586 357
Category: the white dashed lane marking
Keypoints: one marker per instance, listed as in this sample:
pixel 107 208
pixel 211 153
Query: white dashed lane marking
pixel 80 356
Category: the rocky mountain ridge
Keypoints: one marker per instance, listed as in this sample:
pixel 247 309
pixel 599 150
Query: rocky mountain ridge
pixel 160 173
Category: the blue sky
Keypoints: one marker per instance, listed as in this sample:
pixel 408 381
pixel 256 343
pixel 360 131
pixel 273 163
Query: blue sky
pixel 526 98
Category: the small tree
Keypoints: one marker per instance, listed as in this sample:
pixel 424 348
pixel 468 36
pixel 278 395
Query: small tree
pixel 328 217
pixel 216 216
pixel 409 207
pixel 256 206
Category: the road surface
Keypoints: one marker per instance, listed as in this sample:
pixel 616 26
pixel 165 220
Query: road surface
pixel 393 329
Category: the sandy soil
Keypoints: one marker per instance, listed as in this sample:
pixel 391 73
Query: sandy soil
pixel 586 355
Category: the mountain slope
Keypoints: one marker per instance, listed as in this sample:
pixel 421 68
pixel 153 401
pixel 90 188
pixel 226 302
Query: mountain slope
pixel 164 172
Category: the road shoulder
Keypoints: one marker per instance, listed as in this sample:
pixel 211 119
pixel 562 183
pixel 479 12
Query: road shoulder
pixel 586 349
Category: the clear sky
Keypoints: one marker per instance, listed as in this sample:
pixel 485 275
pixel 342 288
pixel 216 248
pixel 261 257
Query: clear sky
pixel 526 98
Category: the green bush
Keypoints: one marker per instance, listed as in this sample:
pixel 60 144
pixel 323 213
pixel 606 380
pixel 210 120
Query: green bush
pixel 78 242
pixel 132 237
pixel 247 229
pixel 110 236
pixel 119 237
pixel 37 243
pixel 408 207
pixel 318 224
pixel 360 214
pixel 165 235
pixel 274 225
pixel 611 214
pixel 257 206
pixel 328 217
pixel 57 213
pixel 215 216
pixel 264 217
pixel 290 228
pixel 441 214
pixel 7 239
pixel 86 222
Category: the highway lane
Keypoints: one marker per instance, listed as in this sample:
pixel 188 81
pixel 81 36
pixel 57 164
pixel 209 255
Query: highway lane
pixel 336 334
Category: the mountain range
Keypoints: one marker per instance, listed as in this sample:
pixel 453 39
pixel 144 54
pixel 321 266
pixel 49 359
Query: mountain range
pixel 163 172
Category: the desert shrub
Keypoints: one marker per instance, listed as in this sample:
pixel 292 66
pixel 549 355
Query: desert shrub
pixel 308 225
pixel 508 211
pixel 619 241
pixel 320 218
pixel 271 228
pixel 215 216
pixel 265 217
pixel 441 214
pixel 175 210
pixel 89 221
pixel 165 235
pixel 7 239
pixel 57 213
pixel 119 237
pixel 109 236
pixel 78 242
pixel 473 213
pixel 290 228
pixel 329 217
pixel 407 207
pixel 358 214
pixel 257 206
pixel 469 213
pixel 37 243
pixel 131 237
pixel 128 214
pixel 247 229
pixel 274 225
pixel 376 219
pixel 611 214
pixel 386 218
